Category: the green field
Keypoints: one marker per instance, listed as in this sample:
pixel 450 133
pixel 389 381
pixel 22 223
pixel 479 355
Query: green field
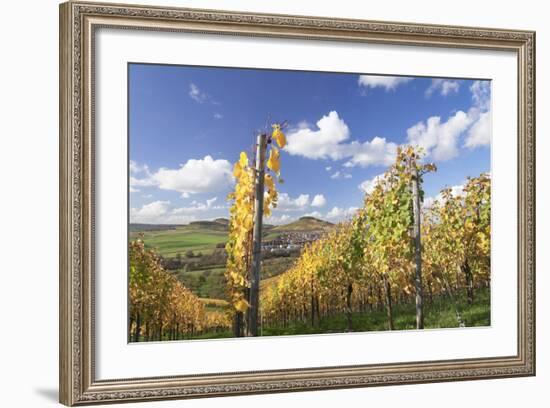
pixel 169 243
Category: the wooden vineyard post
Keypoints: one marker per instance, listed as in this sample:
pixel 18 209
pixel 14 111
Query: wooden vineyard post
pixel 417 246
pixel 252 327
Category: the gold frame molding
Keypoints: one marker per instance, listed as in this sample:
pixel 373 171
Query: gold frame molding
pixel 78 22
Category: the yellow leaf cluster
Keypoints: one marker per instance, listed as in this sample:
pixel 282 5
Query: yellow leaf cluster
pixel 278 135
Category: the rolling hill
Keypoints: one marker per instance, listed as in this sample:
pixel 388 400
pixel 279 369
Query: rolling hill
pixel 204 236
pixel 304 224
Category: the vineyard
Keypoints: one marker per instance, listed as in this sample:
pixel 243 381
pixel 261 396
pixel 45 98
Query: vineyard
pixel 400 262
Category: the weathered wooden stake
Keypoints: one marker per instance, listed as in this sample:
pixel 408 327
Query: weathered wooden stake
pixel 417 246
pixel 252 327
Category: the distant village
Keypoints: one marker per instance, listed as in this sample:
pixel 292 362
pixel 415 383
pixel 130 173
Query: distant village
pixel 290 241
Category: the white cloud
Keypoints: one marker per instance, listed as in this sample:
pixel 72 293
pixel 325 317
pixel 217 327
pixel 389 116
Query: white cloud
pixel 199 96
pixel 285 203
pixel 428 202
pixel 196 94
pixel 322 143
pixel 195 176
pixel 318 201
pixel 197 207
pixel 150 213
pixel 456 191
pixel 279 219
pixel 339 214
pixel 136 168
pixel 443 86
pixel 389 83
pixel 480 132
pixel 160 212
pixel 368 186
pixel 481 94
pixel 218 116
pixel 339 174
pixel 440 139
pixel 327 142
pixel 376 152
pixel 328 168
pixel 315 214
pixel 142 182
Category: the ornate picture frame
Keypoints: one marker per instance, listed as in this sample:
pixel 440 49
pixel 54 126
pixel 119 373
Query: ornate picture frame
pixel 78 24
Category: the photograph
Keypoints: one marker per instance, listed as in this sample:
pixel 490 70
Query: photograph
pixel 267 202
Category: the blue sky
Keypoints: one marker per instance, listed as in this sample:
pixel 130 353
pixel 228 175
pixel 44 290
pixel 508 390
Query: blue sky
pixel 187 126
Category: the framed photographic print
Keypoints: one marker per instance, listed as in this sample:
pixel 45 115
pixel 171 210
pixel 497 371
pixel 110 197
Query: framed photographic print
pixel 256 203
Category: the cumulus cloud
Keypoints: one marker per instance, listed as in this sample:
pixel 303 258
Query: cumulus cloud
pixel 389 83
pixel 195 176
pixel 456 191
pixel 481 94
pixel 279 219
pixel 150 213
pixel 376 152
pixel 428 202
pixel 315 214
pixel 339 214
pixel 140 176
pixel 136 168
pixel 141 182
pixel 368 186
pixel 198 207
pixel 322 143
pixel 440 139
pixel 318 201
pixel 443 86
pixel 480 132
pixel 161 212
pixel 286 203
pixel 328 141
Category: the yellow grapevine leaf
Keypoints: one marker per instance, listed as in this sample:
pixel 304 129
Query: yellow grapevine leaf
pixel 237 171
pixel 269 182
pixel 243 160
pixel 278 135
pixel 273 162
pixel 241 305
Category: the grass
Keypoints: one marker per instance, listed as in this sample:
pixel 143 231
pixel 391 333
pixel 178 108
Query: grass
pixel 215 305
pixel 169 243
pixel 205 283
pixel 440 314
